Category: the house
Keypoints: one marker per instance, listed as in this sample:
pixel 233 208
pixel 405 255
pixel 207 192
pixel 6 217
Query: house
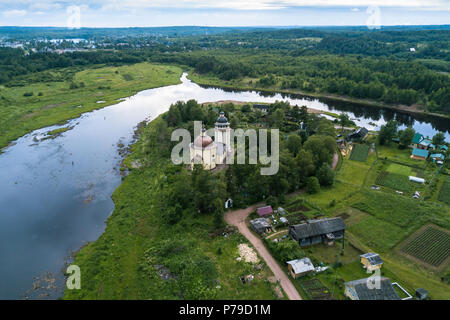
pixel 371 289
pixel 261 107
pixel 359 134
pixel 261 226
pixel 443 148
pixel 437 157
pixel 318 231
pixel 371 261
pixel 341 143
pixel 300 267
pixel 416 140
pixel 264 211
pixel 419 154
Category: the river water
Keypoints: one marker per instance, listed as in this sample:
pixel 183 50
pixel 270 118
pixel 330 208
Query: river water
pixel 55 194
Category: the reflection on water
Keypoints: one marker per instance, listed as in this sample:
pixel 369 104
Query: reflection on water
pixel 56 194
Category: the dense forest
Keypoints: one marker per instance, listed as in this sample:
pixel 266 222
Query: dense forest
pixel 353 62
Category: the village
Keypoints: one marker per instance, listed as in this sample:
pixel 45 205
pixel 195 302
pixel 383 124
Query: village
pixel 337 259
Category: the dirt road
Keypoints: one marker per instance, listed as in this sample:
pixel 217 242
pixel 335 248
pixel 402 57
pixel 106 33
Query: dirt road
pixel 237 218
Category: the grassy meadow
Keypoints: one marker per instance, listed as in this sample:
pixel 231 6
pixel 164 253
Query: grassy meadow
pixel 67 93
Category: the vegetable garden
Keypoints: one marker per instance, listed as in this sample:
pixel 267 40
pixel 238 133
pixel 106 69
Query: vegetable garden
pixel 360 152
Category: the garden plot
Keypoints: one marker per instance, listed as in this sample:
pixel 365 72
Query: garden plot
pixel 444 193
pixel 429 246
pixel 360 152
pixel 316 290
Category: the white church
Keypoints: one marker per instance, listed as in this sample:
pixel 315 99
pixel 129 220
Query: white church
pixel 212 153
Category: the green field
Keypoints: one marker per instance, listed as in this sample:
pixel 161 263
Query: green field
pixel 55 102
pixel 444 193
pixel 431 246
pixel 360 152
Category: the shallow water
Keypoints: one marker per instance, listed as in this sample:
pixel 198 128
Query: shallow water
pixel 55 194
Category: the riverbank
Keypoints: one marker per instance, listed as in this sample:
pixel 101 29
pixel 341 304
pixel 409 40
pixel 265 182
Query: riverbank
pixel 215 82
pixel 38 105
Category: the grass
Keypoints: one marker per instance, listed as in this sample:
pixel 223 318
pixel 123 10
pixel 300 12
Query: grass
pixel 444 193
pixel 360 152
pixel 394 181
pixel 58 103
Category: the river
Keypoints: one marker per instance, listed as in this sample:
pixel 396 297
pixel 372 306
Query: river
pixel 56 193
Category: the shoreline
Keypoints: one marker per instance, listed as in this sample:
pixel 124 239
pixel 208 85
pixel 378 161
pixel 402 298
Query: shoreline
pixel 368 103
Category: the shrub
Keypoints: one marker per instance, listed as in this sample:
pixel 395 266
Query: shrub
pixel 28 94
pixel 312 185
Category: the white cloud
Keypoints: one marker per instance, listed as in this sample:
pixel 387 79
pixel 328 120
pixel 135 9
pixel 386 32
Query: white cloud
pixel 14 13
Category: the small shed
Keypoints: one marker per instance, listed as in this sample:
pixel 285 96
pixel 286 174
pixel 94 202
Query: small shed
pixel 443 148
pixel 437 157
pixel 371 261
pixel 421 294
pixel 264 211
pixel 284 220
pixel 281 211
pixel 261 226
pixel 300 267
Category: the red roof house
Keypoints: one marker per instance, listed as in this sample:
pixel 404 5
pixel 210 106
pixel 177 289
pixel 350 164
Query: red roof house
pixel 264 211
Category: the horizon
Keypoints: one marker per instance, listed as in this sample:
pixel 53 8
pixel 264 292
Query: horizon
pixel 232 13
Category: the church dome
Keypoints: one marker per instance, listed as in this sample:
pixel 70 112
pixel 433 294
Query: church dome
pixel 203 141
pixel 222 118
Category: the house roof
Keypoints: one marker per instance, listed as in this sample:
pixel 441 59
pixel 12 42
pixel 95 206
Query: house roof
pixel 260 225
pixel 443 147
pixel 438 155
pixel 417 138
pixel 301 265
pixel 373 258
pixel 420 153
pixel 426 142
pixel 318 227
pixel 370 292
pixel 264 211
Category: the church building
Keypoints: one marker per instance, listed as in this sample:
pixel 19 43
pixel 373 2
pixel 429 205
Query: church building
pixel 212 153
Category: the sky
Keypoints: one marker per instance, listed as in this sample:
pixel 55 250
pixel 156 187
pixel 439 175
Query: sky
pixel 152 13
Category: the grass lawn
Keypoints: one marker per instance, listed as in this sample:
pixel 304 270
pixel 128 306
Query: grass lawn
pixel 54 102
pixel 444 193
pixel 395 154
pixel 352 172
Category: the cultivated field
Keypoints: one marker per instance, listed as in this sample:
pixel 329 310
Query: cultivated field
pixel 430 246
pixel 394 181
pixel 360 152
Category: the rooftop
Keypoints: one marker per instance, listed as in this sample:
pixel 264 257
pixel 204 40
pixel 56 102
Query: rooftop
pixel 420 153
pixel 264 211
pixel 373 258
pixel 318 227
pixel 301 265
pixel 366 290
pixel 417 138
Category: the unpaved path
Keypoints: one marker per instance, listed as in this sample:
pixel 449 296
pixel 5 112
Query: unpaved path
pixel 335 161
pixel 238 218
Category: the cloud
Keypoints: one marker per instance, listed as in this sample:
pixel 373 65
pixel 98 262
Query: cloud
pixel 354 9
pixel 14 13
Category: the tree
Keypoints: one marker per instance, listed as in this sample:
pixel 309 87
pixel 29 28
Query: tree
pixel 325 175
pixel 406 137
pixel 387 132
pixel 313 185
pixel 305 165
pixel 294 144
pixel 322 148
pixel 439 139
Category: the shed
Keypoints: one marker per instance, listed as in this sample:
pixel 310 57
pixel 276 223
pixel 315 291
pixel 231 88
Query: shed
pixel 281 211
pixel 358 134
pixel 419 154
pixel 371 261
pixel 300 267
pixel 264 211
pixel 421 294
pixel 445 148
pixel 260 226
pixel 365 289
pixel 437 157
pixel 284 220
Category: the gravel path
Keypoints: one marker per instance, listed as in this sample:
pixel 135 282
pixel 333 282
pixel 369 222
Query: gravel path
pixel 237 218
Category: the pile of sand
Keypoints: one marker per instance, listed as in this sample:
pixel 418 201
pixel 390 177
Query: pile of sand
pixel 247 253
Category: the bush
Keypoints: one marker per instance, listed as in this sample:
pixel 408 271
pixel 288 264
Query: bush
pixel 28 94
pixel 40 94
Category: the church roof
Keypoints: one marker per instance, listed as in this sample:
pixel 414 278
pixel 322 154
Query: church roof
pixel 202 141
pixel 222 118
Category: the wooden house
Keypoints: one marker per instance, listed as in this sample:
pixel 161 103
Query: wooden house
pixel 419 154
pixel 300 267
pixel 318 231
